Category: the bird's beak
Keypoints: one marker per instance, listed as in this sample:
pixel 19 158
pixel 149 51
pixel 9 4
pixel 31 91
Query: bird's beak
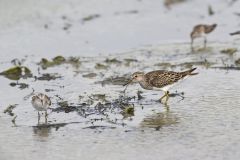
pixel 130 81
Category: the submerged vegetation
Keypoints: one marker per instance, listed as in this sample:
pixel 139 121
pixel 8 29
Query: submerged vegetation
pixel 101 102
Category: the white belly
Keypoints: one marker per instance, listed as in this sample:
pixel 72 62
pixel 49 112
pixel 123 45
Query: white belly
pixel 38 106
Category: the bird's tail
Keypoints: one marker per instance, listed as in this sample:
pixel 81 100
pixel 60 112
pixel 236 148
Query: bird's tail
pixel 189 72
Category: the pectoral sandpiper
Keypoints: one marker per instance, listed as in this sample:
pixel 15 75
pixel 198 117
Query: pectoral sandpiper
pixel 159 80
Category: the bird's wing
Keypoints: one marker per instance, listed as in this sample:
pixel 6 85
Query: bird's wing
pixel 161 78
pixel 48 100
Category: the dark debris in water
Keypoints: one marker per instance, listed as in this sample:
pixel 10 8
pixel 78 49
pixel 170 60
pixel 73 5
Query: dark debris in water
pixel 65 107
pixel 9 109
pixel 48 77
pixel 99 127
pixel 227 68
pixel 20 85
pixel 122 105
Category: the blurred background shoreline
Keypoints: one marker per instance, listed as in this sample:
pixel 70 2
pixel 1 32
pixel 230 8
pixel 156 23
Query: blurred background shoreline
pixel 92 27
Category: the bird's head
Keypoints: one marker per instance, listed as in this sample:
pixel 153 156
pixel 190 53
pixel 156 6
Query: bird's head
pixel 136 77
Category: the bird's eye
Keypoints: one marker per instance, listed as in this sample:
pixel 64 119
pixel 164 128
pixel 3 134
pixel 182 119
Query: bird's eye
pixel 135 76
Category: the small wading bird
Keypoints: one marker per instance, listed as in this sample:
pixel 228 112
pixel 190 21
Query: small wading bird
pixel 235 33
pixel 160 80
pixel 201 30
pixel 41 102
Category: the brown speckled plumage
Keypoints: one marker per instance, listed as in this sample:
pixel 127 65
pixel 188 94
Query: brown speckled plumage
pixel 159 79
pixel 162 78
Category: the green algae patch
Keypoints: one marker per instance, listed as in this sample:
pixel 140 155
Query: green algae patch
pixel 128 111
pixel 59 60
pixel 90 17
pixel 45 63
pixel 17 72
pixel 229 51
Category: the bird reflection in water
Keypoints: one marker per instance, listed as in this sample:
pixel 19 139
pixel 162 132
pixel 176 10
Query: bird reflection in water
pixel 161 119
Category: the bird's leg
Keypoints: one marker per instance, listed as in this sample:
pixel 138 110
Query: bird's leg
pixel 46 116
pixel 165 94
pixel 205 42
pixel 167 97
pixel 192 44
pixel 38 117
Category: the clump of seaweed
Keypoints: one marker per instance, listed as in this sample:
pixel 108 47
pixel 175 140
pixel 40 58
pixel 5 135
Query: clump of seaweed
pixel 90 17
pixel 17 72
pixel 128 111
pixel 59 60
pixel 45 63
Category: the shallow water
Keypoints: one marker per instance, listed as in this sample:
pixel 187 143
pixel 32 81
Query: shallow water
pixel 96 122
pixel 203 125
